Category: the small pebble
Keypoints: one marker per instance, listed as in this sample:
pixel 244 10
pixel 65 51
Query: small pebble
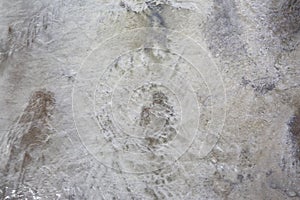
pixel 291 193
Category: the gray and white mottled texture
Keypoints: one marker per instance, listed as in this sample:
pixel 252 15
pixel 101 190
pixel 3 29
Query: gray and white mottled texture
pixel 150 99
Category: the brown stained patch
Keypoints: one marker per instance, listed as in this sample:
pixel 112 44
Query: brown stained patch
pixel 152 141
pixel 27 159
pixel 158 98
pixel 167 132
pixel 221 186
pixel 294 127
pixel 30 132
pixel 40 107
pixel 34 136
pixel 145 116
pixel 37 114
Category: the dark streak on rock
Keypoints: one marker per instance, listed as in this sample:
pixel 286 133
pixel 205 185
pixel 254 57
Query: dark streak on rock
pixel 294 128
pixel 285 22
pixel 264 88
pixel 222 30
pixel 261 86
pixel 5 48
pixel 240 177
pixel 155 16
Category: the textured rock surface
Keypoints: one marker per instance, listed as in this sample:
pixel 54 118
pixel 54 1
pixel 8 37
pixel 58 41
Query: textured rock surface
pixel 141 99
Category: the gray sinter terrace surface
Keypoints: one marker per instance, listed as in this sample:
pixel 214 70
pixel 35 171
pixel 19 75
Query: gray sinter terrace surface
pixel 140 99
